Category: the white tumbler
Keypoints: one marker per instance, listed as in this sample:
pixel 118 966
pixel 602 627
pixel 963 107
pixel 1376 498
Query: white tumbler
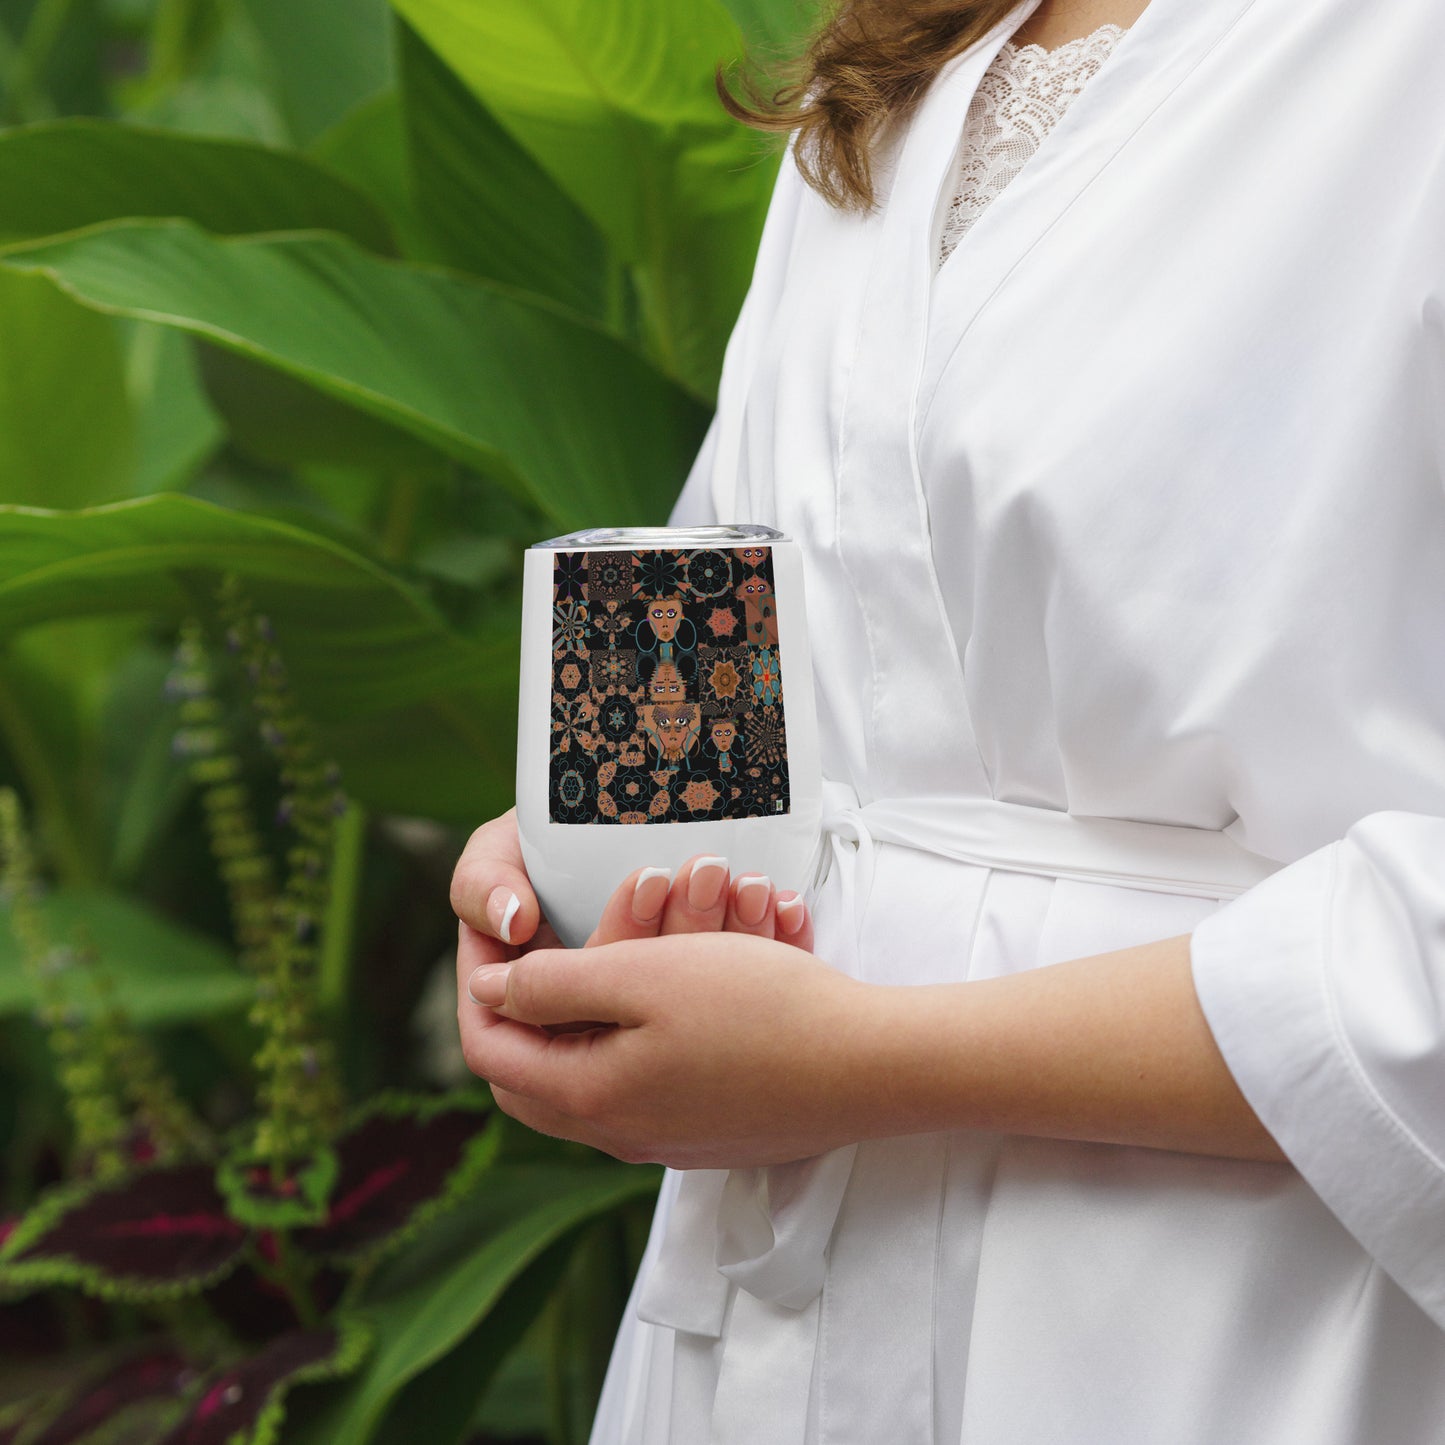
pixel 666 709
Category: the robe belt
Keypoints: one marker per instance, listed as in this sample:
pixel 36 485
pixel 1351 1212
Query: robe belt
pixel 767 1230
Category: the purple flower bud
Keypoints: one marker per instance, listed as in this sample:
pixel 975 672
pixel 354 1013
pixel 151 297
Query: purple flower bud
pixel 233 640
pixel 271 735
pixel 263 629
pixel 285 811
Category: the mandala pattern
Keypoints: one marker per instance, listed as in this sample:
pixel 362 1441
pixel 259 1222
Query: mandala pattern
pixel 667 687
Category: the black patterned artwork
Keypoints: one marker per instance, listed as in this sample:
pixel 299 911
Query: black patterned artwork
pixel 667 691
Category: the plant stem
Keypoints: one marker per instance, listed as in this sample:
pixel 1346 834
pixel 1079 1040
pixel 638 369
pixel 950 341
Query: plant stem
pixel 288 1276
pixel 339 926
pixel 400 523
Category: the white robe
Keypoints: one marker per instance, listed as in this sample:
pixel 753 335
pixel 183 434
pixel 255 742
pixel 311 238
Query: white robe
pixel 1135 510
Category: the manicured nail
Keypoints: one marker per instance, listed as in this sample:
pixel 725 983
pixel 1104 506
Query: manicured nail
pixel 706 883
pixel 649 893
pixel 791 912
pixel 488 984
pixel 502 908
pixel 752 899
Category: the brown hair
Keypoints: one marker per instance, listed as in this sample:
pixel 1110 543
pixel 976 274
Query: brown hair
pixel 866 67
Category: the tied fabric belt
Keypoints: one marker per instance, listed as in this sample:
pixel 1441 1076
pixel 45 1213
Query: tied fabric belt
pixel 767 1230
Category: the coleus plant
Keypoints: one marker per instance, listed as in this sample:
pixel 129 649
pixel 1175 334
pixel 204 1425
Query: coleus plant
pixel 240 1255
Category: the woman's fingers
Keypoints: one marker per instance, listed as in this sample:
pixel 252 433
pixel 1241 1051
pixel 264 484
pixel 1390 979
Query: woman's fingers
pixel 698 902
pixel 635 910
pixel 490 888
pixel 750 906
pixel 567 986
pixel 793 921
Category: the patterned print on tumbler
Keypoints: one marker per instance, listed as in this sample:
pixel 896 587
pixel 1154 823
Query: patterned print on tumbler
pixel 667 687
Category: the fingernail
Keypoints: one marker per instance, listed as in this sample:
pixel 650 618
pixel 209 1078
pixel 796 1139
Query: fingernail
pixel 650 893
pixel 706 883
pixel 752 900
pixel 502 908
pixel 791 913
pixel 488 984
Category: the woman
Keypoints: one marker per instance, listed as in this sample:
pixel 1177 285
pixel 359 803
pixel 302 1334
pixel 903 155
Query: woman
pixel 1126 541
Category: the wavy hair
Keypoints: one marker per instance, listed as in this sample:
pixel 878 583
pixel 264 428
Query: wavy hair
pixel 865 68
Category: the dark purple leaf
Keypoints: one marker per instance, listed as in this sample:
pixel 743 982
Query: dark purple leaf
pixel 241 1404
pixel 397 1164
pixel 160 1374
pixel 162 1232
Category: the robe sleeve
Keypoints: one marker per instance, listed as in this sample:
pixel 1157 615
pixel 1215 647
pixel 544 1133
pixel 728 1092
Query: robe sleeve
pixel 1324 987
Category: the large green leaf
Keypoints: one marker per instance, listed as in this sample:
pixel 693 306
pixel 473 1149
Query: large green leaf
pixel 368 147
pixel 209 74
pixel 431 1299
pixel 176 426
pixel 66 428
pixel 493 210
pixel 616 100
pixel 447 1394
pixel 775 29
pixel 326 56
pixel 162 973
pixel 421 719
pixel 77 172
pixel 548 404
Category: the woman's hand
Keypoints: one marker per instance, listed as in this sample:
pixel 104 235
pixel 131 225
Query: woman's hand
pixel 710 1050
pixel 500 919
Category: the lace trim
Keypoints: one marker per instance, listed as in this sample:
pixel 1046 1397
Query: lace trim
pixel 1020 99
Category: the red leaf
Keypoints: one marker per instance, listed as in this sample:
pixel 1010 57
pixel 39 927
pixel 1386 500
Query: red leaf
pixel 161 1374
pixel 161 1231
pixel 395 1163
pixel 234 1401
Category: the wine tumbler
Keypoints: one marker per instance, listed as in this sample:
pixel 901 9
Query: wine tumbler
pixel 666 709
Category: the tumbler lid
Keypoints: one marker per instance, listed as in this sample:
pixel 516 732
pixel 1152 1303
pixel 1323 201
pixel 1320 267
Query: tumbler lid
pixel 737 534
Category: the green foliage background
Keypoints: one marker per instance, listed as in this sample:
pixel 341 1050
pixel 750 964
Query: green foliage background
pixel 351 301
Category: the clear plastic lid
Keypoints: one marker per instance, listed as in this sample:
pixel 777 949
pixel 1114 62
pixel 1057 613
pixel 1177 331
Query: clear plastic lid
pixel 623 539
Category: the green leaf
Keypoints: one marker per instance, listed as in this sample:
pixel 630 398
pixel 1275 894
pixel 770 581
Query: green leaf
pixel 326 55
pixel 368 147
pixel 546 403
pixel 493 209
pixel 448 1393
pixel 209 75
pixel 373 664
pixel 163 973
pixel 177 428
pixel 275 418
pixel 615 99
pixel 775 28
pixel 429 1299
pixel 66 429
pixel 78 172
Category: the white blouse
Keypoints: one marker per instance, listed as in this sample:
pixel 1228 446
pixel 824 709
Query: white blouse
pixel 1022 96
